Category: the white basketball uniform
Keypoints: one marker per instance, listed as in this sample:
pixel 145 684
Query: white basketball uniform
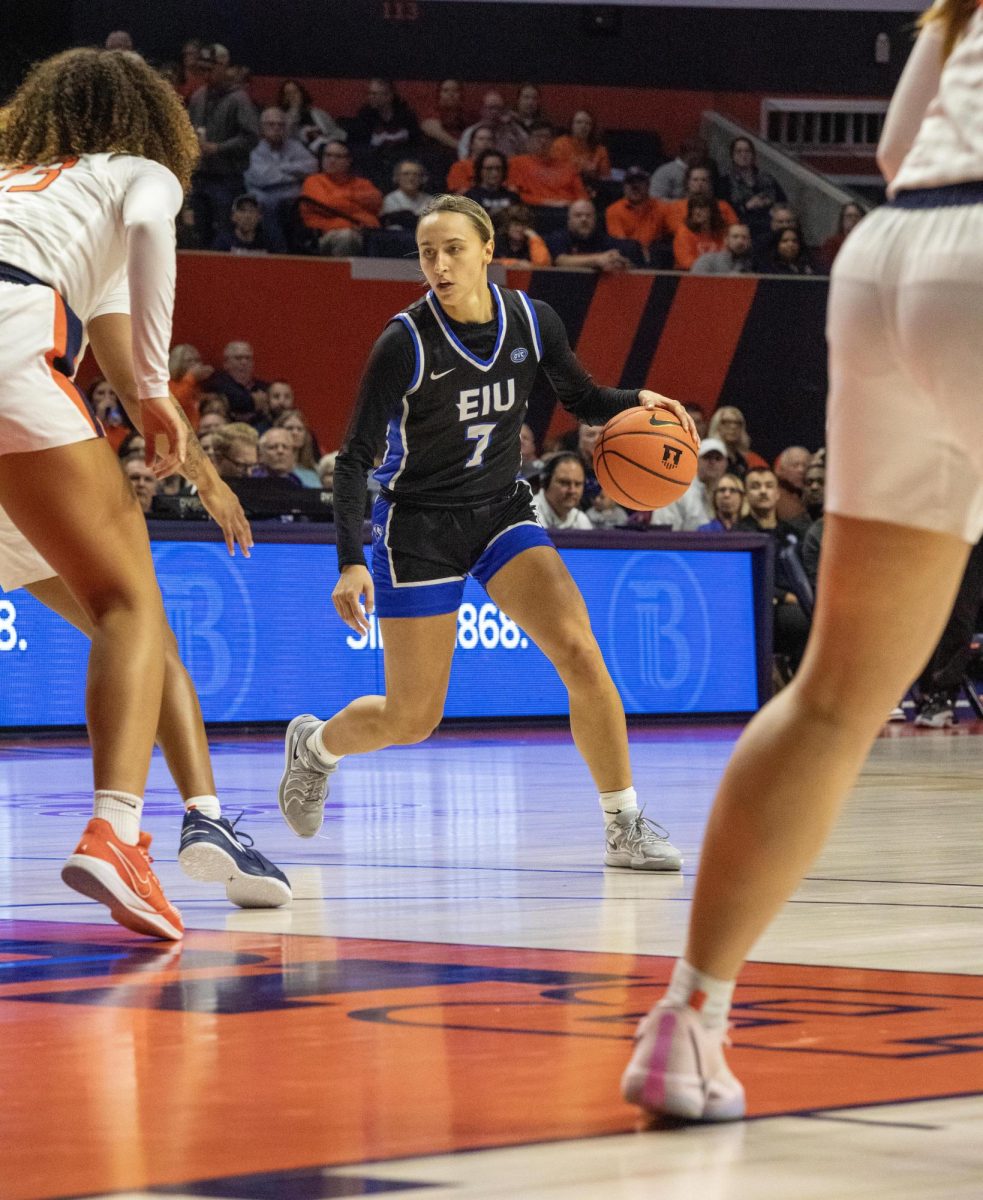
pixel 78 239
pixel 905 324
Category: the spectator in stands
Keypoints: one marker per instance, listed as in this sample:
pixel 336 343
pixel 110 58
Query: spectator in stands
pixel 325 471
pixel 694 508
pixel 669 181
pixel 311 126
pixel 699 419
pixel 445 123
pixel 385 129
pixel 237 381
pixel 587 438
pixel 780 216
pixel 210 422
pixel 528 106
pixel 119 39
pixel 790 471
pixel 637 216
pixel 583 148
pixel 787 255
pixel 516 242
pixel 236 450
pixel 727 499
pixel 699 182
pixel 851 214
pixel 105 404
pixel 540 178
pixel 278 166
pixel 207 443
pixel 584 244
pixel 132 446
pixel 190 71
pixel 305 450
pixel 143 482
pixel 510 137
pixel 187 372
pixel 791 623
pixel 227 129
pixel 277 458
pixel 338 205
pixel 814 490
pixel 530 464
pixel 750 191
pixel 558 502
pixel 734 259
pixel 214 402
pixel 185 229
pixel 249 233
pixel 463 172
pixel 701 233
pixel 280 398
pixel 605 513
pixel 490 171
pixel 404 205
pixel 729 426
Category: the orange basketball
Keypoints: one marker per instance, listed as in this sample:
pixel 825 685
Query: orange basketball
pixel 644 458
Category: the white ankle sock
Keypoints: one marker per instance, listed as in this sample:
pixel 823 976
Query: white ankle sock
pixel 208 806
pixel 710 997
pixel 122 810
pixel 619 806
pixel 321 755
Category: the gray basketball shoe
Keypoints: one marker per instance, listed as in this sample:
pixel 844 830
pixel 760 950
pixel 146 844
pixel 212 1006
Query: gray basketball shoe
pixel 640 845
pixel 304 785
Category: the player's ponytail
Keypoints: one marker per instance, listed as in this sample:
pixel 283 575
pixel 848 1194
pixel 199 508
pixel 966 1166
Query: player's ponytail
pixel 953 16
pixel 478 217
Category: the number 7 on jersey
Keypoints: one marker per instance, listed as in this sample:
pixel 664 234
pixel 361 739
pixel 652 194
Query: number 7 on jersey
pixel 482 435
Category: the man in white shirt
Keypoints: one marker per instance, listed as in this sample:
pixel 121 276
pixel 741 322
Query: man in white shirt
pixel 695 506
pixel 558 504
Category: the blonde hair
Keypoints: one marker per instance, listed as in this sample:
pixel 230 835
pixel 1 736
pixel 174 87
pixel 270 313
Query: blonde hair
pixel 478 217
pixel 743 510
pixel 89 101
pixel 744 445
pixel 953 16
pixel 180 358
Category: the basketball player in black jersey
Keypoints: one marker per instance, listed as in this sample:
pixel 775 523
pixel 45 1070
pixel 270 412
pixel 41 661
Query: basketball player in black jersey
pixel 446 389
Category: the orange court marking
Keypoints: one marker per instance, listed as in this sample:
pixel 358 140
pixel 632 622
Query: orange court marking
pixel 129 1064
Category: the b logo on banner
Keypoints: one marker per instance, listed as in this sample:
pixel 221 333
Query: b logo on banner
pixel 212 616
pixel 659 634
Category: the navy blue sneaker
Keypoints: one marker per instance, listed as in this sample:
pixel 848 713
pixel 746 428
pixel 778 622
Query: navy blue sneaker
pixel 214 852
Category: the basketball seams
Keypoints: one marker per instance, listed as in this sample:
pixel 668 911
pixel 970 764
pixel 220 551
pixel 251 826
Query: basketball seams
pixel 611 462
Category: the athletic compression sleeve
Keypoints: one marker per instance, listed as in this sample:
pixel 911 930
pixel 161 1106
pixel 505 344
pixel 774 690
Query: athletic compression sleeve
pixel 387 375
pixel 578 393
pixel 151 202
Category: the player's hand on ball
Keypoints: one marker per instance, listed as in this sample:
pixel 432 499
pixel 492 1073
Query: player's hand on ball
pixel 649 399
pixel 354 584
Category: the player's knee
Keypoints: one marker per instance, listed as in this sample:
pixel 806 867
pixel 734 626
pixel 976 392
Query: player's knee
pixel 411 727
pixel 577 657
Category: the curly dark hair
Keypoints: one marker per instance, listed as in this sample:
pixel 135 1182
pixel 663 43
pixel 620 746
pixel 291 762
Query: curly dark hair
pixel 89 101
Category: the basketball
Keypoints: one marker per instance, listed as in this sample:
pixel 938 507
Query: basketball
pixel 644 458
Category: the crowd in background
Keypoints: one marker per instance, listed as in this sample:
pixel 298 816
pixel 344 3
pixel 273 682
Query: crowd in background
pixel 293 178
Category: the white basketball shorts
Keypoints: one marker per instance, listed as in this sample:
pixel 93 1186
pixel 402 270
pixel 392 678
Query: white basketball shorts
pixel 905 331
pixel 40 406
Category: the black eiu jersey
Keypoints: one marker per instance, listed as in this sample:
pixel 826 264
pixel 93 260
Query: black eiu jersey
pixel 446 401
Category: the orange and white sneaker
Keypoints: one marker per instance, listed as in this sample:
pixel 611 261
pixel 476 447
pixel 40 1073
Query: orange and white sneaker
pixel 119 876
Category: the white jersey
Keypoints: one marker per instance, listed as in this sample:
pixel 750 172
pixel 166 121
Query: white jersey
pixel 933 135
pixel 99 229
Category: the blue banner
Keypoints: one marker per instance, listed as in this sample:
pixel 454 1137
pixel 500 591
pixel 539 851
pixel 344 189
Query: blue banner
pixel 263 643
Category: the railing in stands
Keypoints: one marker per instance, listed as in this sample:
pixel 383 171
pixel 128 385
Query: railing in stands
pixel 815 198
pixel 842 127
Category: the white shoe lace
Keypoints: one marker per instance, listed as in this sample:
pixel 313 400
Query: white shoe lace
pixel 642 833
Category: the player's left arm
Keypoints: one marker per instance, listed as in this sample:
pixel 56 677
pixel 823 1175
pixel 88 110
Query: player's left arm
pixel 578 393
pixel 110 335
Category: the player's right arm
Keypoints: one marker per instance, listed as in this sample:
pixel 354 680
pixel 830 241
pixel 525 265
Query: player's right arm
pixel 387 376
pixel 916 89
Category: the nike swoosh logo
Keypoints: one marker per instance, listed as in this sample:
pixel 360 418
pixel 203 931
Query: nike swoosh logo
pixel 656 421
pixel 141 884
pixel 434 375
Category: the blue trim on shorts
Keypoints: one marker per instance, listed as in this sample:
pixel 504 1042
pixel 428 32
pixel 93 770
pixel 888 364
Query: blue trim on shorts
pixel 506 547
pixel 948 196
pixel 418 600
